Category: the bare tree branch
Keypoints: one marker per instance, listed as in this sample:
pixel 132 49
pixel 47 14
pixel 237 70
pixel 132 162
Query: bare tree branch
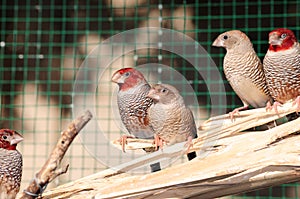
pixel 230 161
pixel 51 169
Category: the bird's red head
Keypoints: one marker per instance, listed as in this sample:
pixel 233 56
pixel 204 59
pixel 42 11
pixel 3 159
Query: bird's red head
pixel 9 139
pixel 128 78
pixel 281 39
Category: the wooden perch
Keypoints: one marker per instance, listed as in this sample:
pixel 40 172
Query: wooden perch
pixel 51 169
pixel 229 162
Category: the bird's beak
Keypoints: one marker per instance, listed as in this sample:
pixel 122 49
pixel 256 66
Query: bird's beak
pixel 274 41
pixel 16 138
pixel 152 94
pixel 117 78
pixel 218 43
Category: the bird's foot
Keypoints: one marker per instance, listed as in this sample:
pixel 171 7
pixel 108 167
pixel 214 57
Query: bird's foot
pixel 297 102
pixel 268 106
pixel 275 105
pixel 189 144
pixel 123 141
pixel 158 142
pixel 236 111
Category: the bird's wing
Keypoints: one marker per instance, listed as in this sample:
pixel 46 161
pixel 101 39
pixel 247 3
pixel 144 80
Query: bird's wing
pixel 191 122
pixel 249 93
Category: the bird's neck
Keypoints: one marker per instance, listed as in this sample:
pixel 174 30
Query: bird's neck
pixel 284 46
pixel 130 88
pixel 10 147
pixel 241 49
pixel 133 84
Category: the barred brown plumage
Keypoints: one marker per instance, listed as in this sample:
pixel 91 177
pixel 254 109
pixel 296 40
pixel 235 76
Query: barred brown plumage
pixel 243 69
pixel 10 164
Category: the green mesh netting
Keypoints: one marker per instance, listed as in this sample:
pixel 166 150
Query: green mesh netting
pixel 43 43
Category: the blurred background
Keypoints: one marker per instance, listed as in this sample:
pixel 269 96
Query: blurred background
pixel 43 44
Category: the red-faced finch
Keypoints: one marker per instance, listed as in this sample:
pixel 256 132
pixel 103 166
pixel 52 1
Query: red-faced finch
pixel 10 164
pixel 282 67
pixel 133 105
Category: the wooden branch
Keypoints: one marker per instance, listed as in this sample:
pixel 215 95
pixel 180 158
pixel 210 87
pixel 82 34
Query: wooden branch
pixel 51 169
pixel 229 162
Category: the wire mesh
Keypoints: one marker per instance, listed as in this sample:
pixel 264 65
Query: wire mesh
pixel 43 44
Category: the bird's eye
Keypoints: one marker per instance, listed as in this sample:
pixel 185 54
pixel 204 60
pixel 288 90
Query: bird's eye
pixel 4 137
pixel 164 90
pixel 127 74
pixel 225 37
pixel 283 36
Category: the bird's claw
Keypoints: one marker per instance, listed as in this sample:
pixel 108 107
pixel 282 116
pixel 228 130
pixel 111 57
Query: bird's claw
pixel 158 142
pixel 236 111
pixel 189 144
pixel 269 107
pixel 123 141
pixel 232 113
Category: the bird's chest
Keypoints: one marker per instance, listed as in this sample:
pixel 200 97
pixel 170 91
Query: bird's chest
pixel 283 76
pixel 130 107
pixel 236 78
pixel 10 171
pixel 134 113
pixel 167 122
pixel 239 67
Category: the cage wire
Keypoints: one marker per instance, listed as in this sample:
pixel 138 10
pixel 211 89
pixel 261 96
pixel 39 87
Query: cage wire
pixel 43 44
